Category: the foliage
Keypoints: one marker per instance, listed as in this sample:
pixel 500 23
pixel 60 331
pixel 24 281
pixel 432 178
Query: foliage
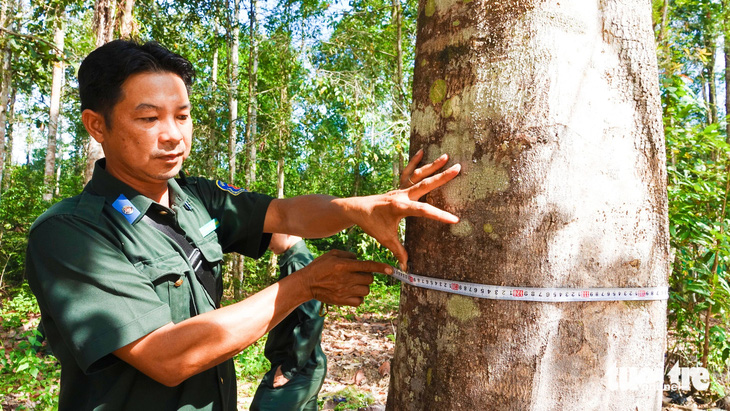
pixel 29 373
pixel 698 176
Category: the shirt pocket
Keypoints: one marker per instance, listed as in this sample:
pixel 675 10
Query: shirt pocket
pixel 168 275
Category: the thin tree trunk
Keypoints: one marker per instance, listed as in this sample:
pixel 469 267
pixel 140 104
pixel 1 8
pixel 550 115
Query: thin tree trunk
pixel 210 160
pixel 252 109
pixel 399 97
pixel 726 49
pixel 6 79
pixel 103 23
pixel 233 62
pixel 8 161
pixel 273 261
pixel 126 18
pixel 56 90
pixel 711 83
pixel 553 111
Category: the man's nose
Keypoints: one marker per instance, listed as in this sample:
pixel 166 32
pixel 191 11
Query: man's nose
pixel 171 131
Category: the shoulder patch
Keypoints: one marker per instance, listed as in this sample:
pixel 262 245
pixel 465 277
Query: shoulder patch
pixel 124 206
pixel 230 188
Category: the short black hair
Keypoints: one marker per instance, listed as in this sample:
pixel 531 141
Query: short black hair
pixel 105 69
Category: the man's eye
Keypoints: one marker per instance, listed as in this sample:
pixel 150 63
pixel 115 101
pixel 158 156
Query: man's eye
pixel 183 117
pixel 149 119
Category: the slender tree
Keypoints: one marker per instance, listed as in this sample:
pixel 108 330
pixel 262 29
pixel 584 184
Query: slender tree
pixel 553 111
pixel 49 176
pixel 7 14
pixel 252 106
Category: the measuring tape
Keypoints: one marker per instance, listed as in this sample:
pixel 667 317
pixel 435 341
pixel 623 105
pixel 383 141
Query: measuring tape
pixel 550 295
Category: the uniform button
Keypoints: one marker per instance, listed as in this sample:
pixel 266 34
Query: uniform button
pixel 221 380
pixel 163 212
pixel 179 282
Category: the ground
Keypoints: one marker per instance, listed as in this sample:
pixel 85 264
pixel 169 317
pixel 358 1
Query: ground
pixel 359 349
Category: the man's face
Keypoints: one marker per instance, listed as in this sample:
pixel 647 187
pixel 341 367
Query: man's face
pixel 151 130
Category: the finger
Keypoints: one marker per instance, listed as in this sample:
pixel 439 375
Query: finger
pixel 341 254
pixel 398 251
pixel 418 209
pixel 429 169
pixel 360 290
pixel 410 168
pixel 431 183
pixel 369 267
pixel 353 301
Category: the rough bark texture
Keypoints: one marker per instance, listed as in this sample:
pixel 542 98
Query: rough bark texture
pixel 7 12
pixel 104 21
pixel 49 176
pixel 252 108
pixel 233 93
pixel 552 108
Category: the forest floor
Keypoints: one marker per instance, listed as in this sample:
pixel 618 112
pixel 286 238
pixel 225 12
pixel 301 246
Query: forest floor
pixel 359 350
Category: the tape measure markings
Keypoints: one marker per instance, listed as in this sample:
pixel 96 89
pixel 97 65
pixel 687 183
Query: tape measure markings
pixel 498 292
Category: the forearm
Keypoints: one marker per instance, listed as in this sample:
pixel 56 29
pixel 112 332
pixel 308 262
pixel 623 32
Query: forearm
pixel 176 352
pixel 310 216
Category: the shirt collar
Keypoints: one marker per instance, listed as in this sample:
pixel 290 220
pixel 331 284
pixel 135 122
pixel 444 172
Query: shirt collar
pixel 106 185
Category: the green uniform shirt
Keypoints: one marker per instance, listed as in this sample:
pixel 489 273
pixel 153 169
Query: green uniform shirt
pixel 104 278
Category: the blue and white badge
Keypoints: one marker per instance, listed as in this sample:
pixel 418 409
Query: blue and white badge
pixel 230 188
pixel 124 206
pixel 209 227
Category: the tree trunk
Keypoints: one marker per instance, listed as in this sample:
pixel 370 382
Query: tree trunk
pixel 252 109
pixel 233 92
pixel 103 23
pixel 273 261
pixel 126 18
pixel 8 161
pixel 553 111
pixel 726 49
pixel 56 90
pixel 399 97
pixel 711 83
pixel 6 79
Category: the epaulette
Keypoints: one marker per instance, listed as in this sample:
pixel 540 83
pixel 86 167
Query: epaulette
pixel 86 206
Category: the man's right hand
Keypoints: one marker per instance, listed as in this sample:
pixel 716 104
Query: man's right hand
pixel 338 277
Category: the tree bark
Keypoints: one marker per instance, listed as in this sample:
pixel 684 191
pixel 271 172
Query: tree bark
pixel 233 61
pixel 726 50
pixel 126 18
pixel 252 109
pixel 103 26
pixel 6 79
pixel 49 176
pixel 711 83
pixel 399 97
pixel 553 111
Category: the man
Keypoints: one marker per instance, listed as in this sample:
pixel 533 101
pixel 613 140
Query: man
pixel 298 365
pixel 127 274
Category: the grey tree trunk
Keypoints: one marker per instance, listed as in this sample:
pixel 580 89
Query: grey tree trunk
pixel 399 98
pixel 553 111
pixel 126 18
pixel 49 176
pixel 252 109
pixel 233 62
pixel 7 15
pixel 104 22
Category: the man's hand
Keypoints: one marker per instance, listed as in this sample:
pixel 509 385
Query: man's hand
pixel 412 175
pixel 279 379
pixel 338 278
pixel 379 215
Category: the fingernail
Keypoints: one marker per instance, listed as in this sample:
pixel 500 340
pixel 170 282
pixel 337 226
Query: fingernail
pixel 420 150
pixel 456 167
pixel 388 270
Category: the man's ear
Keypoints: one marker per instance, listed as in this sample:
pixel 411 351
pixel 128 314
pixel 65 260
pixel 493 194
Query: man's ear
pixel 94 123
